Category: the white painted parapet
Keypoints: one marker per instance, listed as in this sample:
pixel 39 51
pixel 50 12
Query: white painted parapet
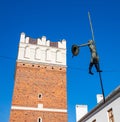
pixel 42 50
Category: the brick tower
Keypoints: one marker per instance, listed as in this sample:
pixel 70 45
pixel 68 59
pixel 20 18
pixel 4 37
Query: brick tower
pixel 40 81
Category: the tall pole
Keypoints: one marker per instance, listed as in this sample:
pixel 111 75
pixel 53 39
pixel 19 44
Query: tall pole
pixel 101 83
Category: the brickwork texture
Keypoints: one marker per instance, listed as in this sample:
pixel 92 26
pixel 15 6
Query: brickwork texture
pixel 39 84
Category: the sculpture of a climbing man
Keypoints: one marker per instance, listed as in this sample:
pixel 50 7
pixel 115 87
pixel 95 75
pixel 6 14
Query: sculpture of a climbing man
pixel 94 57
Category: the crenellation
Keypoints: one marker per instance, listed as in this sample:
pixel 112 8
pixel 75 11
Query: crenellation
pixel 27 39
pixel 39 41
pixel 22 37
pixel 42 41
pixel 62 44
pixel 42 50
pixel 48 43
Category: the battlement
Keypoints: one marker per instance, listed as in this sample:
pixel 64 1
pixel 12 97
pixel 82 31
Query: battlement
pixel 42 50
pixel 42 41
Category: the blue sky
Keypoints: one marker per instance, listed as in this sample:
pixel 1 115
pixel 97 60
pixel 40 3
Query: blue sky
pixel 62 19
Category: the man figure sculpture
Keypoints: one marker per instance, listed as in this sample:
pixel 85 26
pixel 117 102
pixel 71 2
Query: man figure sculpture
pixel 94 57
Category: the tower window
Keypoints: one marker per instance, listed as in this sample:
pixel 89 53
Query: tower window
pixel 39 119
pixel 39 96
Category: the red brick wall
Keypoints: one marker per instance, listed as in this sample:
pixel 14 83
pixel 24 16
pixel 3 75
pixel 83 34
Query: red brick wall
pixel 34 79
pixel 32 116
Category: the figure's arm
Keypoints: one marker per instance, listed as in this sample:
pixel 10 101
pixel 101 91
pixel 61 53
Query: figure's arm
pixel 91 42
pixel 82 45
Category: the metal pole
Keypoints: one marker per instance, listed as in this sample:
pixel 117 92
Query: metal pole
pixel 98 63
pixel 101 85
pixel 91 26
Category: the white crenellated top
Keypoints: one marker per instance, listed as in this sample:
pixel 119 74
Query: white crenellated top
pixel 42 50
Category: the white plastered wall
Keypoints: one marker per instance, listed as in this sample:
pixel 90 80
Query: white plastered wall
pixel 42 52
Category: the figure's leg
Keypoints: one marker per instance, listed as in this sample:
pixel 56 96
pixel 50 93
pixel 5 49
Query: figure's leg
pixel 97 67
pixel 90 68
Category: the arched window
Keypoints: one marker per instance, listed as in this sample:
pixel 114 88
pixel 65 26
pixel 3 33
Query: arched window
pixel 38 54
pixel 39 119
pixel 58 56
pixel 48 55
pixel 27 52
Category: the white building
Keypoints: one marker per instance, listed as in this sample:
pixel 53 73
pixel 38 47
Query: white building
pixel 103 112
